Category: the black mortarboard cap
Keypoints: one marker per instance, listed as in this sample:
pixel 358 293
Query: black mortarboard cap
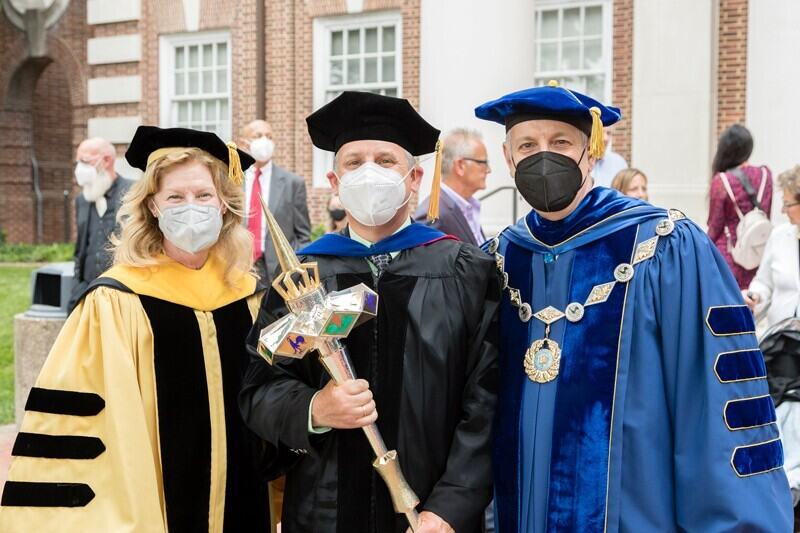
pixel 151 142
pixel 357 116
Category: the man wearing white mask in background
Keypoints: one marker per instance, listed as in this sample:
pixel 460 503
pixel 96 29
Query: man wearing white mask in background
pixel 284 193
pixel 102 190
pixel 426 365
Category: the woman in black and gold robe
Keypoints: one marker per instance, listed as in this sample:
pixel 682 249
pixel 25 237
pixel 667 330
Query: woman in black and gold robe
pixel 133 423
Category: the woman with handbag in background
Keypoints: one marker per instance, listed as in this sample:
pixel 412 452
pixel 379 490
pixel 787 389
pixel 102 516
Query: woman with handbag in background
pixel 737 189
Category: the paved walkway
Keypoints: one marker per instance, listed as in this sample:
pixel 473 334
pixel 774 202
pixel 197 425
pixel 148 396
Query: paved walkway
pixel 7 435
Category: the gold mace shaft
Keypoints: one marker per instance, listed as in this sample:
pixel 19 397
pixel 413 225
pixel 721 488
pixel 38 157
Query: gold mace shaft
pixel 334 358
pixel 286 256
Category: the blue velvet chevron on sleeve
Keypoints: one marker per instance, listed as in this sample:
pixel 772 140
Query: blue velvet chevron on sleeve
pixel 740 365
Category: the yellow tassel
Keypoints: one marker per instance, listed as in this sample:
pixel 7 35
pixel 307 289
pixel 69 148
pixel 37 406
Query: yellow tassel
pixel 235 173
pixel 433 206
pixel 597 147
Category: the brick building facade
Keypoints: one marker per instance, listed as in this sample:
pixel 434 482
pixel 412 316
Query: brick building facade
pixel 732 64
pixel 108 53
pixel 113 64
pixel 623 74
pixel 43 114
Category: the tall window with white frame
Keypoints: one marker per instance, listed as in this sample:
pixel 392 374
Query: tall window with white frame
pixel 363 56
pixel 196 82
pixel 355 53
pixel 574 45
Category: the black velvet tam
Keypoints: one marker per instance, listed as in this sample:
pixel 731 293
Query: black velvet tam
pixel 357 116
pixel 148 139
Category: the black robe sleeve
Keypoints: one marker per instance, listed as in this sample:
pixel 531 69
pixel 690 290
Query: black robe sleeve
pixel 465 489
pixel 274 400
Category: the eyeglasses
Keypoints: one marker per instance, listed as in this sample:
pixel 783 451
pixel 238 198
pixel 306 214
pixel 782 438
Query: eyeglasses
pixel 479 161
pixel 787 206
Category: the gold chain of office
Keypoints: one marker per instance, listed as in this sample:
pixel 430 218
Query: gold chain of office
pixel 543 357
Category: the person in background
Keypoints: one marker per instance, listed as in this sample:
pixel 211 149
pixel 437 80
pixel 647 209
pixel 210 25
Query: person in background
pixel 284 193
pixel 775 293
pixel 631 182
pixel 733 152
pixel 776 285
pixel 96 207
pixel 337 215
pixel 464 169
pixel 609 165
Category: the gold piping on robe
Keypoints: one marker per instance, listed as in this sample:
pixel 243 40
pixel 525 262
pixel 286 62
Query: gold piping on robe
pixel 216 410
pixel 200 289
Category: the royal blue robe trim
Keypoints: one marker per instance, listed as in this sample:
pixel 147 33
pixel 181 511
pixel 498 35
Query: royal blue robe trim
pixel 748 413
pixel 725 320
pixel 411 236
pixel 603 212
pixel 579 464
pixel 741 365
pixel 757 458
pixel 514 341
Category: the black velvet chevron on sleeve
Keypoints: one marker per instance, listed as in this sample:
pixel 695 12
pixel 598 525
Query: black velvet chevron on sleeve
pixel 57 446
pixel 64 402
pixel 45 494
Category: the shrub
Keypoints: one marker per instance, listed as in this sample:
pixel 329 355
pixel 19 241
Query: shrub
pixel 36 253
pixel 318 231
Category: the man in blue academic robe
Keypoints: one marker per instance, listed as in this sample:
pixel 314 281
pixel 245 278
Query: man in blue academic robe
pixel 632 391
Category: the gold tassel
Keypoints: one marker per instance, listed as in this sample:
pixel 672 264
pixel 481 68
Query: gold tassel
pixel 433 205
pixel 597 147
pixel 235 173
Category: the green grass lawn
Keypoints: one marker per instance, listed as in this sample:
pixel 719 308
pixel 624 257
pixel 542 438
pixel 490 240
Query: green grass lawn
pixel 15 297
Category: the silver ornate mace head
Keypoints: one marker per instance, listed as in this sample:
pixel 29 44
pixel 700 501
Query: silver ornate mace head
pixel 315 318
pixel 315 315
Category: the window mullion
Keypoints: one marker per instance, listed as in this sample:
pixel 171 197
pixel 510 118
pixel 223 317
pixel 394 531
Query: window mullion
pixel 594 78
pixel 207 73
pixel 359 60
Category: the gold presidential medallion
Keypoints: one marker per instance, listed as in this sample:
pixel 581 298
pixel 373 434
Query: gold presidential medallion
pixel 543 360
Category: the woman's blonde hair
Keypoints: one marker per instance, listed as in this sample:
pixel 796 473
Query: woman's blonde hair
pixel 624 177
pixel 141 241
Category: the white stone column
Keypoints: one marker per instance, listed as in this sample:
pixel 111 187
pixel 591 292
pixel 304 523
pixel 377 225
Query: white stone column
pixel 773 79
pixel 673 86
pixel 473 51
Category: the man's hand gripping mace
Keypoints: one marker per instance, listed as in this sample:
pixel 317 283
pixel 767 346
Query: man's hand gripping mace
pixel 317 321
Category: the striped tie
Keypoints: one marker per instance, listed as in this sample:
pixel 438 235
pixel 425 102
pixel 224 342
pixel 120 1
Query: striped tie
pixel 381 261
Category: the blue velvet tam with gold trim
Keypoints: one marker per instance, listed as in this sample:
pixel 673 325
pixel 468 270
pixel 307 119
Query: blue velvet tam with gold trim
pixel 551 102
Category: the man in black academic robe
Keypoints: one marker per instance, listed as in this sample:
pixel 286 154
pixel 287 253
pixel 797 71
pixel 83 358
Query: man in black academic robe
pixel 429 356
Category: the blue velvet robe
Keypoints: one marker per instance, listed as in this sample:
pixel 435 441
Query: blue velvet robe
pixel 658 419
